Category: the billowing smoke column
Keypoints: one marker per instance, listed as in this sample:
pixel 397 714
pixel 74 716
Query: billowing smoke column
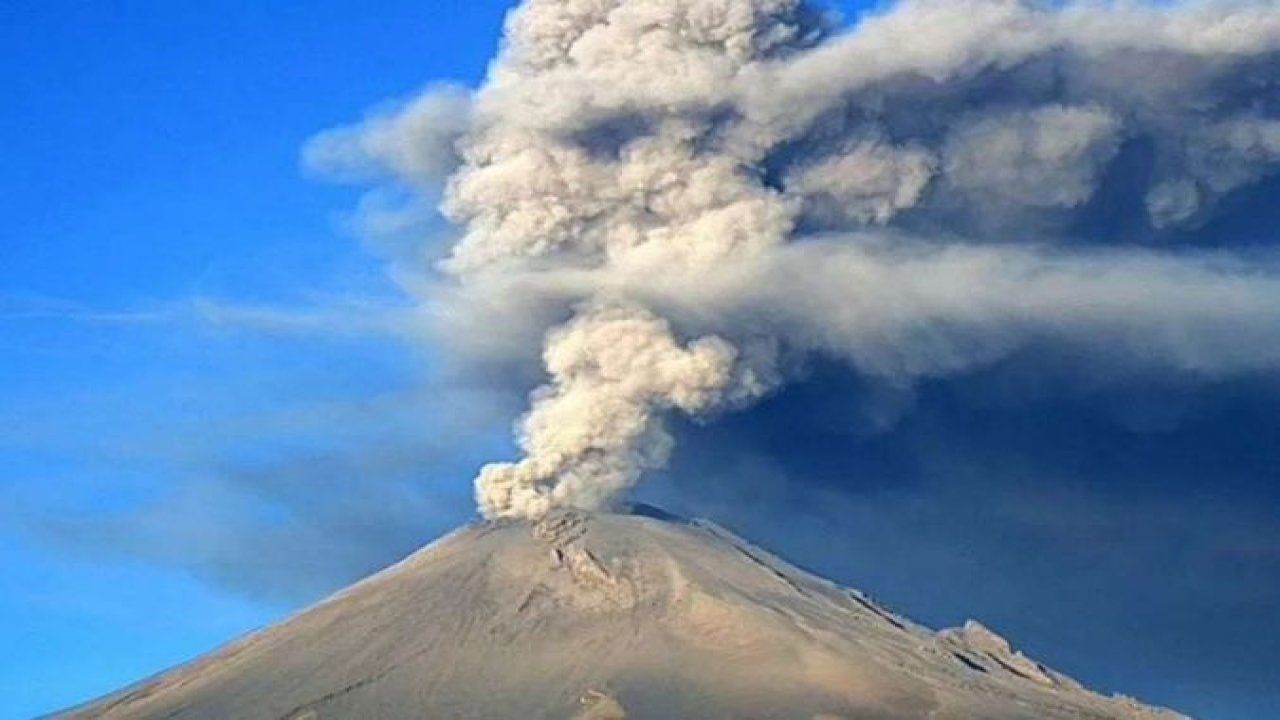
pixel 594 145
pixel 712 190
pixel 593 430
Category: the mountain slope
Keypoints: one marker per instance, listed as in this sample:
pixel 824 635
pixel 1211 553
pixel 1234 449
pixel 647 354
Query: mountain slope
pixel 606 616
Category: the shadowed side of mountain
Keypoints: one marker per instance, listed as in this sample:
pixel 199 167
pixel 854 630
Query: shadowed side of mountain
pixel 641 615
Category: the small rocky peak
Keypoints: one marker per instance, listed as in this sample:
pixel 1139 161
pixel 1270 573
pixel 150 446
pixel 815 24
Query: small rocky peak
pixel 979 646
pixel 980 637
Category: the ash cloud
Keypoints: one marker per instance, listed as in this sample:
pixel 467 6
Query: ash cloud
pixel 677 204
pixel 1137 516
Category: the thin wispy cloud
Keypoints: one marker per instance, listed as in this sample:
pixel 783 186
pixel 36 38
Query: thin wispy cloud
pixel 331 316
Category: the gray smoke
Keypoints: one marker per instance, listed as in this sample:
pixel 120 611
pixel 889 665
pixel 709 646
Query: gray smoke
pixel 710 189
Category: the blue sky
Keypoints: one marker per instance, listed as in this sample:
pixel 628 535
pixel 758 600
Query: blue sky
pixel 152 174
pixel 203 431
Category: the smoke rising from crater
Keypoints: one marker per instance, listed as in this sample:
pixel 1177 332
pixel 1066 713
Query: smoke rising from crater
pixel 680 200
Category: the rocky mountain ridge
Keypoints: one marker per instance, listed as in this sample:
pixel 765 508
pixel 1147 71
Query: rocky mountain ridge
pixel 579 615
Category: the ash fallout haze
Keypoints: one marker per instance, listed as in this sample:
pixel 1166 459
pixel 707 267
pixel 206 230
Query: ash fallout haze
pixel 971 303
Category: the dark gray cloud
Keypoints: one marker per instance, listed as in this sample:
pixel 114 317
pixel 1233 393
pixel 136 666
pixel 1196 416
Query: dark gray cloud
pixel 1127 532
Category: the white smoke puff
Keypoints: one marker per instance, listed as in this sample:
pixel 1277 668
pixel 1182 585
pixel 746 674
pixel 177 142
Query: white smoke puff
pixel 1235 152
pixel 415 142
pixel 636 52
pixel 597 425
pixel 528 201
pixel 870 183
pixel 1046 157
pixel 587 140
pixel 1173 203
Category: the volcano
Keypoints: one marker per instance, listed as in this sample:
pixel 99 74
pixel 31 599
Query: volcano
pixel 607 616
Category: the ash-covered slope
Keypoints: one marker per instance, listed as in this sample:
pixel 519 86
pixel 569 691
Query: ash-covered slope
pixel 606 616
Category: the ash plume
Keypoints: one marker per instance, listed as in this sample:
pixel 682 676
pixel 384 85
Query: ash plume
pixel 680 200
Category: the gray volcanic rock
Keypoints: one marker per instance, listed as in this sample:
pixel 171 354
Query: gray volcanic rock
pixel 606 616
